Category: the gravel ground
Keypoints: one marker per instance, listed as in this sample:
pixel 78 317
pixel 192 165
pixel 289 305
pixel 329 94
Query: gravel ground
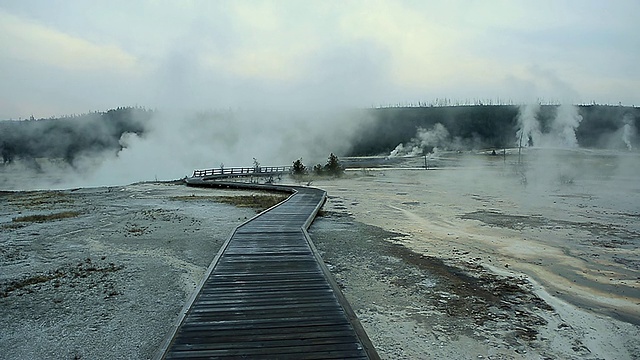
pixel 415 306
pixel 103 273
pixel 109 282
pixel 470 261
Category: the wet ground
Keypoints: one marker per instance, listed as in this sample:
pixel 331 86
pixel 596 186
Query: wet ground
pixel 567 219
pixel 107 279
pixel 415 306
pixel 475 258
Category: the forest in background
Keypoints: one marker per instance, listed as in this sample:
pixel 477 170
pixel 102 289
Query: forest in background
pixel 470 127
pixel 71 136
pixel 483 126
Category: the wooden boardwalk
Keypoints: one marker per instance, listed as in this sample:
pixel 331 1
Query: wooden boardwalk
pixel 233 172
pixel 268 295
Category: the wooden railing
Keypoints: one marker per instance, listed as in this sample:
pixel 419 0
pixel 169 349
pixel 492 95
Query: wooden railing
pixel 242 171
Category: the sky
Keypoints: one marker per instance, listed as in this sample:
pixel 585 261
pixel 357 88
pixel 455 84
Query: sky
pixel 69 57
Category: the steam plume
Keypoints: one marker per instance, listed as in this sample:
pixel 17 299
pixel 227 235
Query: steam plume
pixel 628 131
pixel 426 140
pixel 564 127
pixel 529 126
pixel 561 131
pixel 176 142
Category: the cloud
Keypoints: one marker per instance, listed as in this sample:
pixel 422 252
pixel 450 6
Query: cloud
pixel 534 83
pixel 240 53
pixel 422 51
pixel 24 40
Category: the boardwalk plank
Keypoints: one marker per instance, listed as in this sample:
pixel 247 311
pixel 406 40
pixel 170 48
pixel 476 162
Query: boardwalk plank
pixel 267 296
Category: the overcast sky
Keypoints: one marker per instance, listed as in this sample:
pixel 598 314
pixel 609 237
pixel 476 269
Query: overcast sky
pixel 64 57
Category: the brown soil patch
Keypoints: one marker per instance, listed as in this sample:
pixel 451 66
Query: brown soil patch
pixel 258 202
pixel 47 217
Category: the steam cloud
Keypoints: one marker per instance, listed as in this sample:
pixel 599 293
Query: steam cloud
pixel 628 132
pixel 462 128
pixel 565 124
pixel 176 144
pixel 562 132
pixel 128 145
pixel 171 144
pixel 529 126
pixel 428 140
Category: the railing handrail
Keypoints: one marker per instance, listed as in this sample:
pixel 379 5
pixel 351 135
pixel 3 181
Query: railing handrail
pixel 263 170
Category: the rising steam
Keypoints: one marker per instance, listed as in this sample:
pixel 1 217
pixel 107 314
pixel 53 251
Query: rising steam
pixel 529 126
pixel 562 129
pixel 174 143
pixel 628 131
pixel 426 141
pixel 129 145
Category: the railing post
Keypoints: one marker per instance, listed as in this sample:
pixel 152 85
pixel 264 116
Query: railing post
pixel 265 170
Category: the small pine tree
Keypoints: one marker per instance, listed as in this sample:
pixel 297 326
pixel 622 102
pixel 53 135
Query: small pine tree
pixel 318 169
pixel 333 166
pixel 298 168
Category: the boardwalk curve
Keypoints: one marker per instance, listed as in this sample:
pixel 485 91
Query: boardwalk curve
pixel 268 294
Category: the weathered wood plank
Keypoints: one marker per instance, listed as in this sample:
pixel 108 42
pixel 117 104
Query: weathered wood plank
pixel 267 296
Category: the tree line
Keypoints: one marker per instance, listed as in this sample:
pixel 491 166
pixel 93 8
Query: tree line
pixel 71 136
pixel 333 167
pixel 480 126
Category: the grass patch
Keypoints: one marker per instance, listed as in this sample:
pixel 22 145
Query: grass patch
pixel 136 230
pixel 193 198
pixel 256 202
pixel 47 217
pixel 82 270
pixel 17 285
pixel 31 199
pixel 13 226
